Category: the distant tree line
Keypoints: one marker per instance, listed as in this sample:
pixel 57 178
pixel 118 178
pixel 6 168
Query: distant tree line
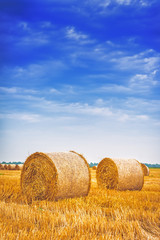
pixel 12 163
pixel 152 165
pixel 91 164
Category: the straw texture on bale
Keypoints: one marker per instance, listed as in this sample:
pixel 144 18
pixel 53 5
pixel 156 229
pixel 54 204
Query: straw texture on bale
pixel 55 176
pixel 145 169
pixel 120 174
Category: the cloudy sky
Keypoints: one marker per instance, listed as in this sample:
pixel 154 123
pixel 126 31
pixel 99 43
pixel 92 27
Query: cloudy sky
pixel 80 75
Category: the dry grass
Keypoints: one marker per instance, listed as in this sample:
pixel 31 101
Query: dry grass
pixel 103 214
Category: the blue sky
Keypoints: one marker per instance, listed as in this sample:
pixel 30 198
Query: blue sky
pixel 80 75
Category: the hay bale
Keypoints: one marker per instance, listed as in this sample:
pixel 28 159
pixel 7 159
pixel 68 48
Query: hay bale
pixel 55 176
pixel 8 167
pixel 1 167
pixel 120 174
pixel 145 169
pixel 5 166
pixel 16 167
pixel 11 166
pixel 94 167
pixel 20 166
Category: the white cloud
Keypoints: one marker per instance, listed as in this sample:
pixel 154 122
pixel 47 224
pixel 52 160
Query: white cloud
pixel 24 26
pixel 35 38
pixel 114 109
pixel 99 101
pixel 154 72
pixel 94 110
pixel 121 111
pixel 8 90
pixel 145 61
pixel 53 90
pixel 14 90
pixel 142 117
pixel 28 117
pixel 31 36
pixel 142 82
pixel 123 117
pixel 110 43
pixel 138 84
pixel 73 34
pixel 114 88
pixel 146 3
pixel 38 71
pixel 106 3
pixel 124 2
pixel 79 37
pixel 140 105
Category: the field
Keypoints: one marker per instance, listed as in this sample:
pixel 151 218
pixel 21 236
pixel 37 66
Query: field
pixel 103 214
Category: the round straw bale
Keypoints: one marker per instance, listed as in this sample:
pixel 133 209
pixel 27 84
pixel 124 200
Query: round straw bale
pixel 120 174
pixel 145 169
pixel 17 167
pixel 55 176
pixel 20 166
pixel 1 167
pixel 11 167
pixel 5 166
pixel 8 167
pixel 94 167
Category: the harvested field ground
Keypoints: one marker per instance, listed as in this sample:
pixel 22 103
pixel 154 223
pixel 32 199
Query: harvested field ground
pixel 103 214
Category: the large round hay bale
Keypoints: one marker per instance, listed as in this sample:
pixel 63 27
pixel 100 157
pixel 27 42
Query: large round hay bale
pixel 145 169
pixel 120 174
pixel 55 176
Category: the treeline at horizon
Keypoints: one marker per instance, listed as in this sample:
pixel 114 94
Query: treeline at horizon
pixel 90 164
pixel 17 163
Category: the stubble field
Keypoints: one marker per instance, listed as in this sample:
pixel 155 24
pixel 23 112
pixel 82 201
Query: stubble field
pixel 103 214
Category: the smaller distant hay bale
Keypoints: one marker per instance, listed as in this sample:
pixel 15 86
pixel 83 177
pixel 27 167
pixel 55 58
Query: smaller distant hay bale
pixel 11 167
pixel 94 167
pixel 120 174
pixel 20 166
pixel 1 167
pixel 5 166
pixel 16 167
pixel 145 169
